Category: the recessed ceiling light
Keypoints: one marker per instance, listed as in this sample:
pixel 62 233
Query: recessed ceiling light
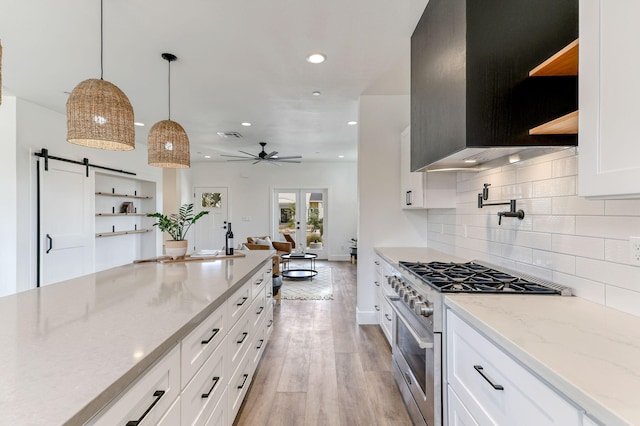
pixel 316 93
pixel 340 156
pixel 352 123
pixel 316 58
pixel 139 124
pixel 469 161
pixel 246 124
pixel 207 156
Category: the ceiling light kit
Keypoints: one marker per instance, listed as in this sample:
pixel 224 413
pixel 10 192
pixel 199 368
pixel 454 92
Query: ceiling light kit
pixel 271 158
pixel 168 142
pixel 316 93
pixel 99 114
pixel 316 58
pixel 246 124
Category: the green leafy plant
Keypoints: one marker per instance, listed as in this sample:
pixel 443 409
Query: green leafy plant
pixel 177 224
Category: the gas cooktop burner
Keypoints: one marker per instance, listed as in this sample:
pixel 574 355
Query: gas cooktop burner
pixel 473 277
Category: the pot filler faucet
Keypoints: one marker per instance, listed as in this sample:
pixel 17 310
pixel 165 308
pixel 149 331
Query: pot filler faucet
pixel 512 205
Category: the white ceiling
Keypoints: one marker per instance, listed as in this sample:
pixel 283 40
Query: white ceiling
pixel 238 60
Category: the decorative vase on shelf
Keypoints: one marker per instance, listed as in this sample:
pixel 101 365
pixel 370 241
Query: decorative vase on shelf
pixel 176 249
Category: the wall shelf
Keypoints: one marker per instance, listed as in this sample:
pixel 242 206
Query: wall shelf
pixel 565 62
pixel 110 194
pixel 121 214
pixel 565 125
pixel 112 234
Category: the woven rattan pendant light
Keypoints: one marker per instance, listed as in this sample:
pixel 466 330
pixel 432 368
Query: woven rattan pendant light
pixel 99 114
pixel 168 142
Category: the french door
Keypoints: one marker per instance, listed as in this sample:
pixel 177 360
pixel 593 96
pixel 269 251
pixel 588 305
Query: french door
pixel 300 214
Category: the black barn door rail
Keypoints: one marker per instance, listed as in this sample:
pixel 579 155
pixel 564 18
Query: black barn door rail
pixel 44 153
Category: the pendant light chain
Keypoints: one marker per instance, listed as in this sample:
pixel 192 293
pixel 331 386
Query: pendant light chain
pixel 101 41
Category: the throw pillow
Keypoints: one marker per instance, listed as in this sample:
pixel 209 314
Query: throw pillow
pixel 263 242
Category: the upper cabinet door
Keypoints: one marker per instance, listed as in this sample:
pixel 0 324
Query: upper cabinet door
pixel 609 94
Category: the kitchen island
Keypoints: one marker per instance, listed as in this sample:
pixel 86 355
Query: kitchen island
pixel 70 348
pixel 586 352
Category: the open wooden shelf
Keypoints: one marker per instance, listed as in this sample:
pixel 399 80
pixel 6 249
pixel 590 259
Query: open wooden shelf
pixel 565 62
pixel 121 214
pixel 110 194
pixel 565 125
pixel 112 234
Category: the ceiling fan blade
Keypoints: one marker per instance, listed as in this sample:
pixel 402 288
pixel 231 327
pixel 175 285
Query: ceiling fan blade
pixel 285 161
pixel 289 157
pixel 270 155
pixel 244 159
pixel 244 152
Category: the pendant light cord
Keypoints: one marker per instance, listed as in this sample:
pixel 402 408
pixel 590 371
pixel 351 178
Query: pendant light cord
pixel 101 42
pixel 169 90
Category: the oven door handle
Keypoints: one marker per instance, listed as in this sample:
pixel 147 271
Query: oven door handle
pixel 422 342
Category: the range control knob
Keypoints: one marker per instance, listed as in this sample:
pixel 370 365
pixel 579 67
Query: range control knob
pixel 415 300
pixel 421 308
pixel 410 296
pixel 404 290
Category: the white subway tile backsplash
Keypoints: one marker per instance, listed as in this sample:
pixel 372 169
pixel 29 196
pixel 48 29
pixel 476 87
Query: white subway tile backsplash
pixel 615 227
pixel 554 261
pixel 622 207
pixel 616 274
pixel 555 224
pixel 623 299
pixel 577 242
pixel 582 287
pixel 555 187
pixel 576 205
pixel 578 246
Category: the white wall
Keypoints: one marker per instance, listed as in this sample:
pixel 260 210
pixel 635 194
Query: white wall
pixel 578 242
pixel 38 127
pixel 8 211
pixel 251 192
pixel 382 222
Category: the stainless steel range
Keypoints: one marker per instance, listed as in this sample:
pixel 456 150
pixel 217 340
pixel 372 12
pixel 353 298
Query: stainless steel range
pixel 418 317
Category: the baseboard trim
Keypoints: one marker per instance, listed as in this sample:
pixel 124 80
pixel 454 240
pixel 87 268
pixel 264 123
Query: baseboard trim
pixel 366 317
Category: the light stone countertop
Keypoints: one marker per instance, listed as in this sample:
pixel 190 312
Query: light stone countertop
pixel 67 349
pixel 587 351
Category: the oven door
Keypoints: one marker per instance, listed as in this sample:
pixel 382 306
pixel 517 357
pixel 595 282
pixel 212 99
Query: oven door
pixel 417 358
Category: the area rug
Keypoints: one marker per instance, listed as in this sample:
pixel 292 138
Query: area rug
pixel 320 288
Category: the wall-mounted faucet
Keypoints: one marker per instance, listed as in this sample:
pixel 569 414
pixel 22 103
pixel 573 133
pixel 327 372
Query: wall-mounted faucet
pixel 512 205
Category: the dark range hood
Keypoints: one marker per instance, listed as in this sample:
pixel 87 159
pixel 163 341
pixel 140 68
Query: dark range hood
pixel 472 100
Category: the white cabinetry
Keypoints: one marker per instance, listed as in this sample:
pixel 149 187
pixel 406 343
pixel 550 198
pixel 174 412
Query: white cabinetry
pixel 609 91
pixel 149 398
pixel 423 190
pixel 494 388
pixel 382 289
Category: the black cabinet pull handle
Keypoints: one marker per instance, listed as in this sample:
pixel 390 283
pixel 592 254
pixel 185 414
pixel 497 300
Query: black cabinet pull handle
pixel 246 376
pixel 215 382
pixel 388 317
pixel 157 394
pixel 244 299
pixel 214 331
pixel 377 307
pixel 260 310
pixel 480 370
pixel 270 322
pixel 259 281
pixel 244 336
pixel 376 262
pixel 50 243
pixel 260 345
pixel 377 283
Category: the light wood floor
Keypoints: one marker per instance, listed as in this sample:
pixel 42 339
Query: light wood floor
pixel 321 368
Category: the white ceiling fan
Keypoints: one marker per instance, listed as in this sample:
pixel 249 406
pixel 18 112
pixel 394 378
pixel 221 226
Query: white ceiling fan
pixel 271 158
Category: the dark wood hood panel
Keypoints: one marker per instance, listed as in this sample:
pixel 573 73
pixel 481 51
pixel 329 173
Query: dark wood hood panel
pixel 470 61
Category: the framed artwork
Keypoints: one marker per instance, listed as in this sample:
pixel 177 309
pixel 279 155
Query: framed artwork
pixel 212 200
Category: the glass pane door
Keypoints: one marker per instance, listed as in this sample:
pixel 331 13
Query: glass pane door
pixel 301 220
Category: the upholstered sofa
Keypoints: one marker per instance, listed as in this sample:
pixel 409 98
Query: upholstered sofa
pixel 281 248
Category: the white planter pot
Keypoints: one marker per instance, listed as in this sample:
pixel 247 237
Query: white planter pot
pixel 176 249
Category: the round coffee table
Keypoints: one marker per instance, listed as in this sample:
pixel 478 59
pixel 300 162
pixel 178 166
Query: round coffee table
pixel 299 273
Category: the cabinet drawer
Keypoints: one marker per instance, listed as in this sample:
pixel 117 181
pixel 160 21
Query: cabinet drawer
pixel 258 309
pixel 238 303
pixel 490 383
pixel 219 415
pixel 238 386
pixel 258 283
pixel 171 417
pixel 387 319
pixel 202 394
pixel 239 339
pixel 458 415
pixel 201 342
pixel 269 321
pixel 259 343
pixel 149 397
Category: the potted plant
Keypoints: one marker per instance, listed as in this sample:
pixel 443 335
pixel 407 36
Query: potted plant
pixel 177 225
